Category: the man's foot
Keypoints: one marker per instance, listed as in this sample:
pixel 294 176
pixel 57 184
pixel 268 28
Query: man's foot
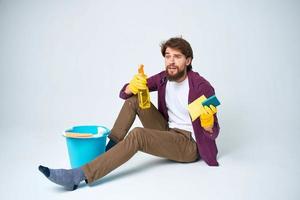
pixel 68 178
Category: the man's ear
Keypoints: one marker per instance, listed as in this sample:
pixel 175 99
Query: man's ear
pixel 188 61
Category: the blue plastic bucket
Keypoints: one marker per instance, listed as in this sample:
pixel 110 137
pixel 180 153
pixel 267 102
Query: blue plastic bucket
pixel 84 150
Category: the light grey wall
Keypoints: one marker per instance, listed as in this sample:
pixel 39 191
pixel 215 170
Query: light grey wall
pixel 62 63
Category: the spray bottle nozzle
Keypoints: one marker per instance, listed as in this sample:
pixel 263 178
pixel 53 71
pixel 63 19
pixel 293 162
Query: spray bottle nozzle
pixel 141 69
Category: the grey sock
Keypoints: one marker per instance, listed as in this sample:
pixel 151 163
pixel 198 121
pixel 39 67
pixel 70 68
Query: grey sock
pixel 68 178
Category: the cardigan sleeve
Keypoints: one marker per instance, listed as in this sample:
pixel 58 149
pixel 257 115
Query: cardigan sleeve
pixel 122 94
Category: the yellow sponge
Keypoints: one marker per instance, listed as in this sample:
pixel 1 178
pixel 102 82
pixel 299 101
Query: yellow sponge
pixel 195 108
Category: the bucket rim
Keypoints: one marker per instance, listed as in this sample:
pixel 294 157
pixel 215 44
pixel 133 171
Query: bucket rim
pixel 95 136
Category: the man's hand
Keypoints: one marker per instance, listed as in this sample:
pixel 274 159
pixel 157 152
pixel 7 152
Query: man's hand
pixel 207 117
pixel 138 82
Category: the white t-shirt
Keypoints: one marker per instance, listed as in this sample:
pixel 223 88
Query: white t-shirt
pixel 177 95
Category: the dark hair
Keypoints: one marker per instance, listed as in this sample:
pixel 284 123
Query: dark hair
pixel 180 44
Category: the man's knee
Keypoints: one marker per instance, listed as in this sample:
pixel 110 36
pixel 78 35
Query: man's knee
pixel 132 101
pixel 136 135
pixel 136 132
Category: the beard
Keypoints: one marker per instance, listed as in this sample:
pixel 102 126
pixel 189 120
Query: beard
pixel 177 76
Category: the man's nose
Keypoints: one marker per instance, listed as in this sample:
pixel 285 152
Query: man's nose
pixel 172 60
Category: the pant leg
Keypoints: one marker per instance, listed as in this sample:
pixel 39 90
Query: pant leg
pixel 174 144
pixel 150 118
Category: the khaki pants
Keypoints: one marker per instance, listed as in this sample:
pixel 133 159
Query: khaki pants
pixel 155 138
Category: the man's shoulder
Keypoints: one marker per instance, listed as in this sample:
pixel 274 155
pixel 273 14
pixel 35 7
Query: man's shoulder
pixel 197 79
pixel 161 74
pixel 156 80
pixel 200 85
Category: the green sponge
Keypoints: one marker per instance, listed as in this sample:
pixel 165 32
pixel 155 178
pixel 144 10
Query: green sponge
pixel 211 101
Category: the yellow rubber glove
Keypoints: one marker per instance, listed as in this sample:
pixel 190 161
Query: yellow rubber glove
pixel 207 116
pixel 138 82
pixel 194 109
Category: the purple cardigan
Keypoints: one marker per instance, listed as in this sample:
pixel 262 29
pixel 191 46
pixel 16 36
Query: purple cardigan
pixel 198 86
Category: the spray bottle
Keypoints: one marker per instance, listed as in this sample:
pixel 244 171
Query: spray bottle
pixel 143 94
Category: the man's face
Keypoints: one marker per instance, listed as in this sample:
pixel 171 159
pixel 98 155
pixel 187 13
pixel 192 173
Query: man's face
pixel 176 64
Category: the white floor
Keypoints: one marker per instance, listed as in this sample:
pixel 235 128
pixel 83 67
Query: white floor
pixel 256 169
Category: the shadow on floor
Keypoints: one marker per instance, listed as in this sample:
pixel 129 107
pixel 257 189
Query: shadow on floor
pixel 141 168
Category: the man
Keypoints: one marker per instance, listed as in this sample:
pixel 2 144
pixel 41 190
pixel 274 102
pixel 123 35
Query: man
pixel 167 132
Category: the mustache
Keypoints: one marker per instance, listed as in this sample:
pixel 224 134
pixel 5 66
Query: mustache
pixel 172 65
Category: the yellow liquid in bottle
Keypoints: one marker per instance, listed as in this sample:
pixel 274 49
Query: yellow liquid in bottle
pixel 143 94
pixel 144 98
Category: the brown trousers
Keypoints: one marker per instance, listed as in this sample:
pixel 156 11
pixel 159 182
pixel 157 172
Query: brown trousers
pixel 155 138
